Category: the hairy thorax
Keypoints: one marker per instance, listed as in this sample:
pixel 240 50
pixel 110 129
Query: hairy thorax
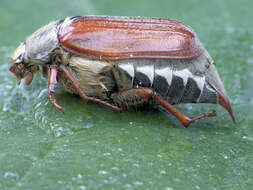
pixel 94 77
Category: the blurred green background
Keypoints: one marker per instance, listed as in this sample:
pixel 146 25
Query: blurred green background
pixel 92 147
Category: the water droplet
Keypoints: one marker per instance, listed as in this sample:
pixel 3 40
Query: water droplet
pixel 82 187
pixel 230 29
pixel 102 172
pixel 11 174
pixel 40 173
pixel 177 179
pixel 84 153
pixel 128 185
pixel 225 156
pixel 115 168
pixel 88 126
pixel 138 183
pixel 107 154
pixel 58 131
pixel 248 138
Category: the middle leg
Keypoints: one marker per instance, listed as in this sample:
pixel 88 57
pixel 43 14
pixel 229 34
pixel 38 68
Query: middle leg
pixel 77 86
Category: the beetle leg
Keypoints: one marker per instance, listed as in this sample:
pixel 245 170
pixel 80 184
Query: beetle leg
pixel 142 95
pixel 77 86
pixel 133 97
pixel 186 121
pixel 52 82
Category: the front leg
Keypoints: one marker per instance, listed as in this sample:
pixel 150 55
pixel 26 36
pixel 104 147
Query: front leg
pixel 52 82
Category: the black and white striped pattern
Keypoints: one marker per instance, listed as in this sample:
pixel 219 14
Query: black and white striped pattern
pixel 176 85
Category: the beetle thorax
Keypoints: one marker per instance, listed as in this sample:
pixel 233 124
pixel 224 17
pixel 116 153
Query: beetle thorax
pixel 41 44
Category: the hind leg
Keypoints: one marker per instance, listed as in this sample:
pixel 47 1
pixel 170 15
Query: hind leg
pixel 139 96
pixel 132 98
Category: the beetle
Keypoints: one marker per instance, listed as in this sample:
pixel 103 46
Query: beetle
pixel 122 62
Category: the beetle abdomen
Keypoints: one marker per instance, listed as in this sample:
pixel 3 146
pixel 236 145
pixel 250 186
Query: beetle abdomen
pixel 178 81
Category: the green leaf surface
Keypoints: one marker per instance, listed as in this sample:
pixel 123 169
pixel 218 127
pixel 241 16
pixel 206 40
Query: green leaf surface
pixel 92 147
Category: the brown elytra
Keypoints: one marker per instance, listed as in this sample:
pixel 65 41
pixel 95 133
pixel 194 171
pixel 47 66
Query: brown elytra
pixel 119 38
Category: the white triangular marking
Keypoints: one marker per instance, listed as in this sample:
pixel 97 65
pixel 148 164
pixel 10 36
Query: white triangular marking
pixel 147 70
pixel 166 73
pixel 183 74
pixel 128 67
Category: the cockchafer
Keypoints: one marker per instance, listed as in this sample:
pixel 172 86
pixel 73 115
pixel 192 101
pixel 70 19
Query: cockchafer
pixel 122 62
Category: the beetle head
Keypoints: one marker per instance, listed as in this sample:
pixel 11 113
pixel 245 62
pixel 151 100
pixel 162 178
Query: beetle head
pixel 37 49
pixel 20 66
